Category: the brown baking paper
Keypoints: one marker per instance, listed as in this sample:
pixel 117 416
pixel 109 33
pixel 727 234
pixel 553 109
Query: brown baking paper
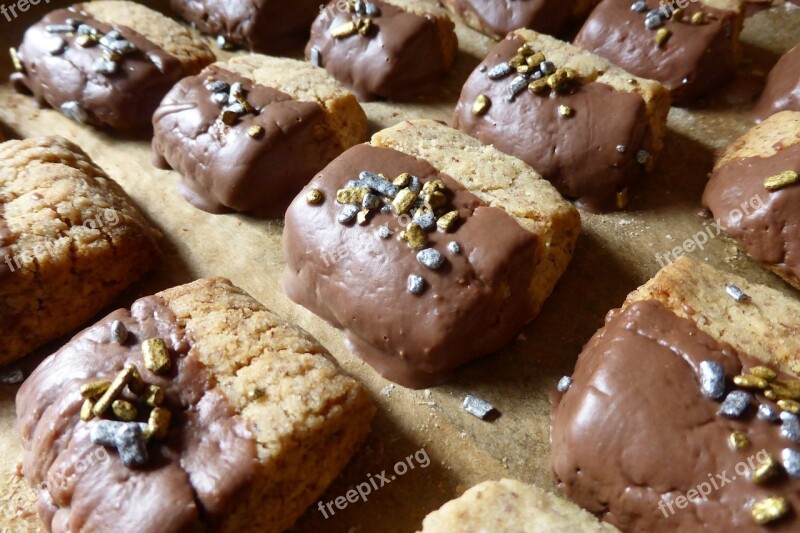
pixel 615 253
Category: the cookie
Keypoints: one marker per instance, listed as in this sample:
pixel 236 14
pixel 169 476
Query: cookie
pixel 677 417
pixel 268 26
pixel 440 262
pixel 70 242
pixel 247 134
pixel 375 48
pixel 500 18
pixel 692 49
pixel 219 407
pixel 107 63
pixel 588 127
pixel 754 193
pixel 782 92
pixel 509 505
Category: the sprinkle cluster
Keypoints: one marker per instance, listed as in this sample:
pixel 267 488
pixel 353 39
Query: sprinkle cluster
pixel 362 25
pixel 114 47
pixel 656 19
pixel 105 399
pixel 755 386
pixel 233 98
pixel 424 205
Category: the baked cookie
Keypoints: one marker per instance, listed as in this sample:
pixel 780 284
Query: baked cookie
pixel 424 259
pixel 249 133
pixel 782 92
pixel 754 192
pixel 681 414
pixel 508 505
pixel 70 242
pixel 269 26
pixel 107 63
pixel 691 49
pixel 588 127
pixel 196 410
pixel 499 18
pixel 376 48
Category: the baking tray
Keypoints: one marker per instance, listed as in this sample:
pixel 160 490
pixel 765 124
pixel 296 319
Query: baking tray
pixel 615 254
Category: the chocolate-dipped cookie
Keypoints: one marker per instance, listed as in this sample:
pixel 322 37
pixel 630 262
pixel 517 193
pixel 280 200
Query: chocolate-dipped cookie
pixel 754 193
pixel 782 92
pixel 196 410
pixel 395 49
pixel 692 49
pixel 71 241
pixel 588 127
pixel 500 18
pixel 268 26
pixel 426 261
pixel 247 134
pixel 106 63
pixel 681 414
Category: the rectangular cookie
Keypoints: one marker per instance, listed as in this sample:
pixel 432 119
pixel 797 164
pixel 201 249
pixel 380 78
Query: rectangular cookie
pixel 509 505
pixel 427 248
pixel 232 419
pixel 70 242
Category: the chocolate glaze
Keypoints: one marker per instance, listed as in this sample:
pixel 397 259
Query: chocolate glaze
pixel 500 18
pixel 695 59
pixel 269 26
pixel 771 233
pixel 399 58
pixel 578 154
pixel 473 305
pixel 187 485
pixel 123 101
pixel 783 87
pixel 223 168
pixel 634 428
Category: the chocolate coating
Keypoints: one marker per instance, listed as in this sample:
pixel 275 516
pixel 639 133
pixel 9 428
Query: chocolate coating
pixel 500 18
pixel 783 87
pixel 387 62
pixel 696 59
pixel 122 101
pixel 223 168
pixel 187 484
pixel 634 429
pixel 769 230
pixel 474 304
pixel 269 26
pixel 578 154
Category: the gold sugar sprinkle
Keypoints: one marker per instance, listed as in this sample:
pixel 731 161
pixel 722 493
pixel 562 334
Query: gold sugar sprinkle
pixel 364 25
pixel 779 181
pixel 353 195
pixel 738 440
pixel 403 201
pixel 765 471
pixel 158 423
pixel 15 59
pixel 85 41
pixel 153 396
pixel 93 390
pixel 255 131
pixel 750 382
pixel 402 180
pixel 256 393
pixel 446 221
pixel 538 86
pixel 114 390
pixel 565 111
pixel 136 384
pixel 361 217
pixel 763 373
pixel 415 236
pixel 698 18
pixel 314 197
pixel 769 509
pixel 436 199
pixel 156 356
pixel 124 410
pixel 662 35
pixel 86 410
pixel 433 186
pixel 345 30
pixel 677 14
pixel 481 105
pixel 622 198
pixel 790 406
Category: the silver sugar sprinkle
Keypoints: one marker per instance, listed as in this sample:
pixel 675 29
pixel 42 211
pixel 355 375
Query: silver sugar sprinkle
pixel 564 384
pixel 712 379
pixel 735 404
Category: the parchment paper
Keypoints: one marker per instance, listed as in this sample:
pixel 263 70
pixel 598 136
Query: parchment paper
pixel 615 253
